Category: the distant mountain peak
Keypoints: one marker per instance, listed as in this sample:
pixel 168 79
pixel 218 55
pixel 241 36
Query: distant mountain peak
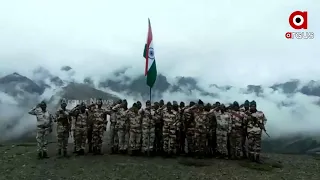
pixel 65 68
pixel 15 84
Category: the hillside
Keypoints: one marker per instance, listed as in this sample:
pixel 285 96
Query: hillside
pixel 19 162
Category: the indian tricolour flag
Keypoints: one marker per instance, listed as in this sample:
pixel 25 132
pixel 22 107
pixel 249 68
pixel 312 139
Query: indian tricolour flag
pixel 151 68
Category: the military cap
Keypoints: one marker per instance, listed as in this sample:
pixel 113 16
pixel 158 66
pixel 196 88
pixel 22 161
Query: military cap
pixel 200 102
pixel 253 103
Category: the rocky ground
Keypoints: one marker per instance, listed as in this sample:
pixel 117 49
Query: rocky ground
pixel 19 161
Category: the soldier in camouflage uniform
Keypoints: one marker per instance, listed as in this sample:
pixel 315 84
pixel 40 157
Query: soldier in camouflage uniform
pixel 113 131
pixel 223 129
pixel 175 108
pixel 44 127
pixel 161 104
pixel 245 108
pixel 63 128
pixel 81 114
pixel 190 128
pixel 211 125
pixel 148 128
pixel 122 126
pixel 73 120
pixel 182 129
pixel 169 117
pixel 99 122
pixel 256 124
pixel 139 106
pixel 236 135
pixel 200 118
pixel 134 129
pixel 158 144
pixel 90 126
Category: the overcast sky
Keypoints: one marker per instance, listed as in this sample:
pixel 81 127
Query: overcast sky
pixel 234 42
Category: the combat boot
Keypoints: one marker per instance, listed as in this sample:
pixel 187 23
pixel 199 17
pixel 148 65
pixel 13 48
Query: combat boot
pixel 251 157
pixel 90 148
pixel 45 155
pixel 258 160
pixel 80 152
pixel 39 155
pixel 65 154
pixel 112 150
pixel 94 150
pixel 74 150
pixel 59 152
pixel 99 151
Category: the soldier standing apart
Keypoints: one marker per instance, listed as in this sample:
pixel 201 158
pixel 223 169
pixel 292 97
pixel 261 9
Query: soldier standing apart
pixel 81 126
pixel 256 124
pixel 122 126
pixel 99 121
pixel 44 127
pixel 223 128
pixel 169 130
pixel 134 129
pixel 63 128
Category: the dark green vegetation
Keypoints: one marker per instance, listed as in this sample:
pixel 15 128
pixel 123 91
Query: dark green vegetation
pixel 292 145
pixel 19 162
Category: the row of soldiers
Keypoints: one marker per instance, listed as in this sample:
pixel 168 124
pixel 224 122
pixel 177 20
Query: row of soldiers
pixel 168 129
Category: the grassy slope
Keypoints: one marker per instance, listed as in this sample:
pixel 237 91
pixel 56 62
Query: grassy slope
pixel 19 162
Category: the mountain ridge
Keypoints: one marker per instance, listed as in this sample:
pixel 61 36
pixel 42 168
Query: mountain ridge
pixel 136 86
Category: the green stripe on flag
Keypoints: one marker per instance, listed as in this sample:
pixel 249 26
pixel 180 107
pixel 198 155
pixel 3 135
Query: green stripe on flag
pixel 152 74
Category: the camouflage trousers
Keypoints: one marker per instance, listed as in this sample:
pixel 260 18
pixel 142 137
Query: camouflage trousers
pixel 190 140
pixel 200 137
pixel 222 142
pixel 97 136
pixel 80 136
pixel 62 137
pixel 236 144
pixel 42 139
pixel 169 140
pixel 148 137
pixel 90 135
pixel 211 142
pixel 74 139
pixel 123 136
pixel 181 138
pixel 113 140
pixel 134 139
pixel 254 143
pixel 158 141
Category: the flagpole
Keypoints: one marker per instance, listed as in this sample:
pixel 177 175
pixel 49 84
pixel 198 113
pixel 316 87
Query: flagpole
pixel 150 94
